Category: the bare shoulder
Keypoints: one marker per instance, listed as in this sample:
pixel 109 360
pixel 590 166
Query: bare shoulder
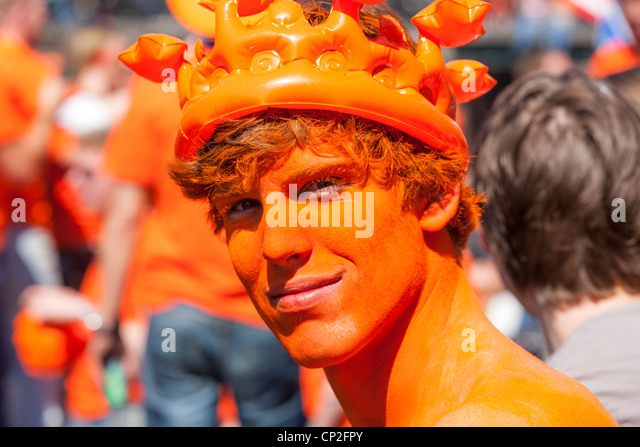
pixel 500 413
pixel 541 397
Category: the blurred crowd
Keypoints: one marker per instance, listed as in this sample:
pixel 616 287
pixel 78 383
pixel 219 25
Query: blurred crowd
pixel 101 263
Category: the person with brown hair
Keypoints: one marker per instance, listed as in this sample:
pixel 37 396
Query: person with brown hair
pixel 558 161
pixel 331 159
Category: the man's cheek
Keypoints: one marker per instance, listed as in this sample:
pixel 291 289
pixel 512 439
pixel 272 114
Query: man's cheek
pixel 246 261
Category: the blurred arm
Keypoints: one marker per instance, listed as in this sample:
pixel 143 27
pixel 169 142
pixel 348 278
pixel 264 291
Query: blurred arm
pixel 122 220
pixel 20 160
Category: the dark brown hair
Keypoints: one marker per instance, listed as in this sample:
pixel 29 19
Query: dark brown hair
pixel 552 158
pixel 627 83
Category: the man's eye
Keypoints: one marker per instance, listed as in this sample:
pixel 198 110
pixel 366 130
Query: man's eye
pixel 239 209
pixel 322 186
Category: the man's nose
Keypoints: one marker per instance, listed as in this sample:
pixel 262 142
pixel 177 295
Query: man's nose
pixel 286 245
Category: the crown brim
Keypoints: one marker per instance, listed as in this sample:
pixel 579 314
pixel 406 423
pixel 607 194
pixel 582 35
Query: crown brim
pixel 301 86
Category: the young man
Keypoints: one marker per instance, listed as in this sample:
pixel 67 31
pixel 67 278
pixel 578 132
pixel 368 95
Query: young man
pixel 331 160
pixel 559 164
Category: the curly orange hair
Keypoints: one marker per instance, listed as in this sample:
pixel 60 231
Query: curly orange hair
pixel 242 150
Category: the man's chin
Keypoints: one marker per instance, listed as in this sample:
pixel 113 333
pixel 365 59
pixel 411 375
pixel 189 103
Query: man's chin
pixel 315 354
pixel 314 362
pixel 320 341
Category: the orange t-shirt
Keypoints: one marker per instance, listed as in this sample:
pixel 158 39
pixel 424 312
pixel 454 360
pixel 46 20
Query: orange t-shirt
pixel 21 73
pixel 184 260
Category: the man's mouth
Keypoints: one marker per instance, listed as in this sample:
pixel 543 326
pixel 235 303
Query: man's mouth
pixel 299 294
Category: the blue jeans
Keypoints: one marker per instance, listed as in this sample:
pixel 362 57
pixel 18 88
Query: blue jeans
pixel 183 374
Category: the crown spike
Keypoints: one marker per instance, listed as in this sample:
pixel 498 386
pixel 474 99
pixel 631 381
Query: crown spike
pixel 153 54
pixel 391 33
pixel 184 83
pixel 350 8
pixel 452 23
pixel 434 86
pixel 198 51
pixel 252 7
pixel 469 79
pixel 208 4
pixel 228 25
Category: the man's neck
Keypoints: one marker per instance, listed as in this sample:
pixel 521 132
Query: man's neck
pixel 393 379
pixel 560 323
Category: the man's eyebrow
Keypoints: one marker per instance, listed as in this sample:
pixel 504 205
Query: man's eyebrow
pixel 342 167
pixel 227 190
pixel 347 168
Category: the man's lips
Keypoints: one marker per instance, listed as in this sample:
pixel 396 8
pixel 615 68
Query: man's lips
pixel 304 293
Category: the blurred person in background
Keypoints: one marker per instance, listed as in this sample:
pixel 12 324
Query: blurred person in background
pixel 501 10
pixel 55 316
pixel 543 24
pixel 98 100
pixel 558 161
pixel 51 334
pixel 618 55
pixel 501 306
pixel 555 62
pixel 30 90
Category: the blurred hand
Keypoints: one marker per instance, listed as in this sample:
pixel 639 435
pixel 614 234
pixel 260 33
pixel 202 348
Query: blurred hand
pixel 134 341
pixel 63 305
pixel 54 304
pixel 104 346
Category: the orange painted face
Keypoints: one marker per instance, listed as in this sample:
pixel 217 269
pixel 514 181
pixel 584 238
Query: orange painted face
pixel 325 291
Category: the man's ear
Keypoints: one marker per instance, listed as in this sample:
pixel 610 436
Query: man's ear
pixel 435 216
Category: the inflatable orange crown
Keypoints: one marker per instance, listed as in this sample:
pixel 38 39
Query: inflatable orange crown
pixel 266 54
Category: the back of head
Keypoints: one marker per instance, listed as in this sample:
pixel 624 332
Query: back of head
pixel 558 160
